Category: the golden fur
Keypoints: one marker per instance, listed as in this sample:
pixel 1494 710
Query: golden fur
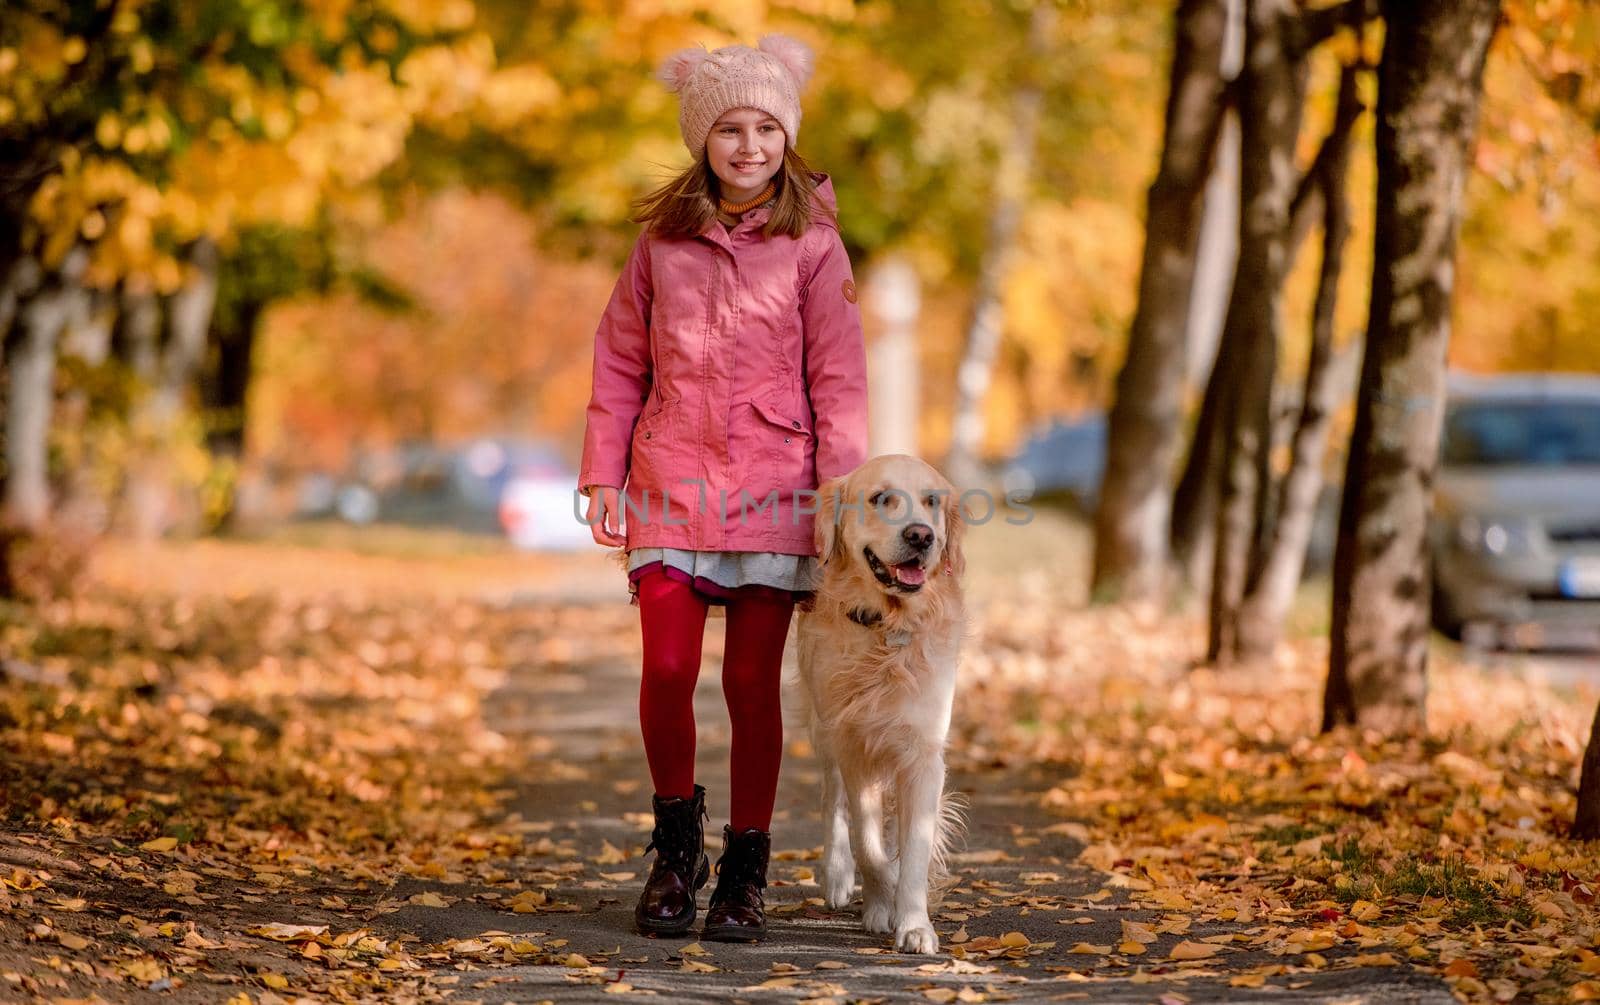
pixel 878 698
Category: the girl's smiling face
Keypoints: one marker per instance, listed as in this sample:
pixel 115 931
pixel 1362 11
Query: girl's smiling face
pixel 745 149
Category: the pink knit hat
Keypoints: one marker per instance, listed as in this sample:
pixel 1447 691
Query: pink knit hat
pixel 768 78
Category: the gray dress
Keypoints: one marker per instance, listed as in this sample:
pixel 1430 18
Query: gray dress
pixel 719 576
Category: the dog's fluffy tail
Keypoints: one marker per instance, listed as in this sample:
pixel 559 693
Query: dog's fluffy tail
pixel 951 832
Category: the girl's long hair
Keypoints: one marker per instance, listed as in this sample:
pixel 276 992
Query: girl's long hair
pixel 686 204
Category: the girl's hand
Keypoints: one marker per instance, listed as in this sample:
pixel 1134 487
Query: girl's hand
pixel 604 516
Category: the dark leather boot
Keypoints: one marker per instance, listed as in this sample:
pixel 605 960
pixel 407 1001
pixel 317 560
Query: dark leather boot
pixel 737 912
pixel 666 907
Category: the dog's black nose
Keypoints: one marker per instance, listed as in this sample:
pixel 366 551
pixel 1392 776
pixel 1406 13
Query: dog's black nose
pixel 919 536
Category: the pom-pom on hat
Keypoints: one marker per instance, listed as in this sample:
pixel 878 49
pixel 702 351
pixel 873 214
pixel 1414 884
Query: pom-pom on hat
pixel 768 78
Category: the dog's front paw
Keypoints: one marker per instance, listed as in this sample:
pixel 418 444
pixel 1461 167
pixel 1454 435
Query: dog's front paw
pixel 917 937
pixel 876 916
pixel 838 883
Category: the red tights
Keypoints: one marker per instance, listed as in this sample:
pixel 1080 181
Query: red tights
pixel 672 619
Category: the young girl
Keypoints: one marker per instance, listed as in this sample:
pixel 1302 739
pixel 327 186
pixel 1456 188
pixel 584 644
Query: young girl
pixel 729 382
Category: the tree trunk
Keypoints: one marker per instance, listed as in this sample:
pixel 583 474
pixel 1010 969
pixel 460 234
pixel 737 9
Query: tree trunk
pixel 894 298
pixel 23 168
pixel 138 336
pixel 169 371
pixel 17 283
pixel 20 281
pixel 82 501
pixel 962 465
pixel 1194 505
pixel 1430 81
pixel 225 381
pixel 1272 89
pixel 224 390
pixel 189 321
pixel 1131 522
pixel 1586 822
pixel 30 398
pixel 1260 619
pixel 89 336
pixel 1218 249
pixel 31 372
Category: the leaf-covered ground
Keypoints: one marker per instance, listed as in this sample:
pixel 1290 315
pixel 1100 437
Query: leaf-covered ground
pixel 1209 796
pixel 254 772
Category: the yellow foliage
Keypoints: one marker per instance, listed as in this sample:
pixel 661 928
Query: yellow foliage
pixel 1527 294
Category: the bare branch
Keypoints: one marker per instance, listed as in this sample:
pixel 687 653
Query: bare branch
pixel 1309 197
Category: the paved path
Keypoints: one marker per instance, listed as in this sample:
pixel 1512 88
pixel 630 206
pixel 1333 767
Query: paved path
pixel 1019 874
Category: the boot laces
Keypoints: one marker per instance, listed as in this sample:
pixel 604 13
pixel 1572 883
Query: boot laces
pixel 740 867
pixel 673 841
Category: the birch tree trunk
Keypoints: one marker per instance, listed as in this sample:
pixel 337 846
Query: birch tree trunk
pixel 973 374
pixel 83 504
pixel 169 369
pixel 188 321
pixel 139 338
pixel 1131 521
pixel 1430 83
pixel 894 298
pixel 30 398
pixel 1260 618
pixel 1218 249
pixel 1272 88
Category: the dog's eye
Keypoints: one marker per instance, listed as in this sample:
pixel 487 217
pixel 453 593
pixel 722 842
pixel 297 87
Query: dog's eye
pixel 932 501
pixel 875 499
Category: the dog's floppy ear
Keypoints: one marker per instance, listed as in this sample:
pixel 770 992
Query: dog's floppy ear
pixel 826 533
pixel 955 529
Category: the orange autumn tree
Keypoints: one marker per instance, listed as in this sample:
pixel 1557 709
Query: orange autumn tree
pixel 142 141
pixel 1530 296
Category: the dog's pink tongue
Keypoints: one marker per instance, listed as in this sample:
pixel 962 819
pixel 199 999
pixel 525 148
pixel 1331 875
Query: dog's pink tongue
pixel 910 572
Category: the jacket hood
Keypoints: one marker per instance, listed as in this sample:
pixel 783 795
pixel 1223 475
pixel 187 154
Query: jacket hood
pixel 825 207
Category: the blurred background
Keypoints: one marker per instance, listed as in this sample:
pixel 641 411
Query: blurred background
pixel 275 265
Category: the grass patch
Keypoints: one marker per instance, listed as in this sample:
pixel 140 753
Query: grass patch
pixel 1352 857
pixel 1287 835
pixel 85 641
pixel 1467 900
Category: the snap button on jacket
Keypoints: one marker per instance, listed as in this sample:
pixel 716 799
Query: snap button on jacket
pixel 730 379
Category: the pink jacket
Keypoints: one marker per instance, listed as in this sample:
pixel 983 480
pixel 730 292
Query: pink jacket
pixel 730 376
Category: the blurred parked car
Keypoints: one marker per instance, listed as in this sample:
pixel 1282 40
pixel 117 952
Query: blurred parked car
pixel 539 513
pixel 1515 537
pixel 320 495
pixel 1061 459
pixel 459 486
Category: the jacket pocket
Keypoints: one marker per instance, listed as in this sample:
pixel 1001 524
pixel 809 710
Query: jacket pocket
pixel 790 452
pixel 651 445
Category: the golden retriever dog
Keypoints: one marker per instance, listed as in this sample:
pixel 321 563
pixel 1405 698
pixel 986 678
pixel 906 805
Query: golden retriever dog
pixel 877 654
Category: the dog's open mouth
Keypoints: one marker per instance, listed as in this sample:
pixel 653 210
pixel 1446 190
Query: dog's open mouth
pixel 907 576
